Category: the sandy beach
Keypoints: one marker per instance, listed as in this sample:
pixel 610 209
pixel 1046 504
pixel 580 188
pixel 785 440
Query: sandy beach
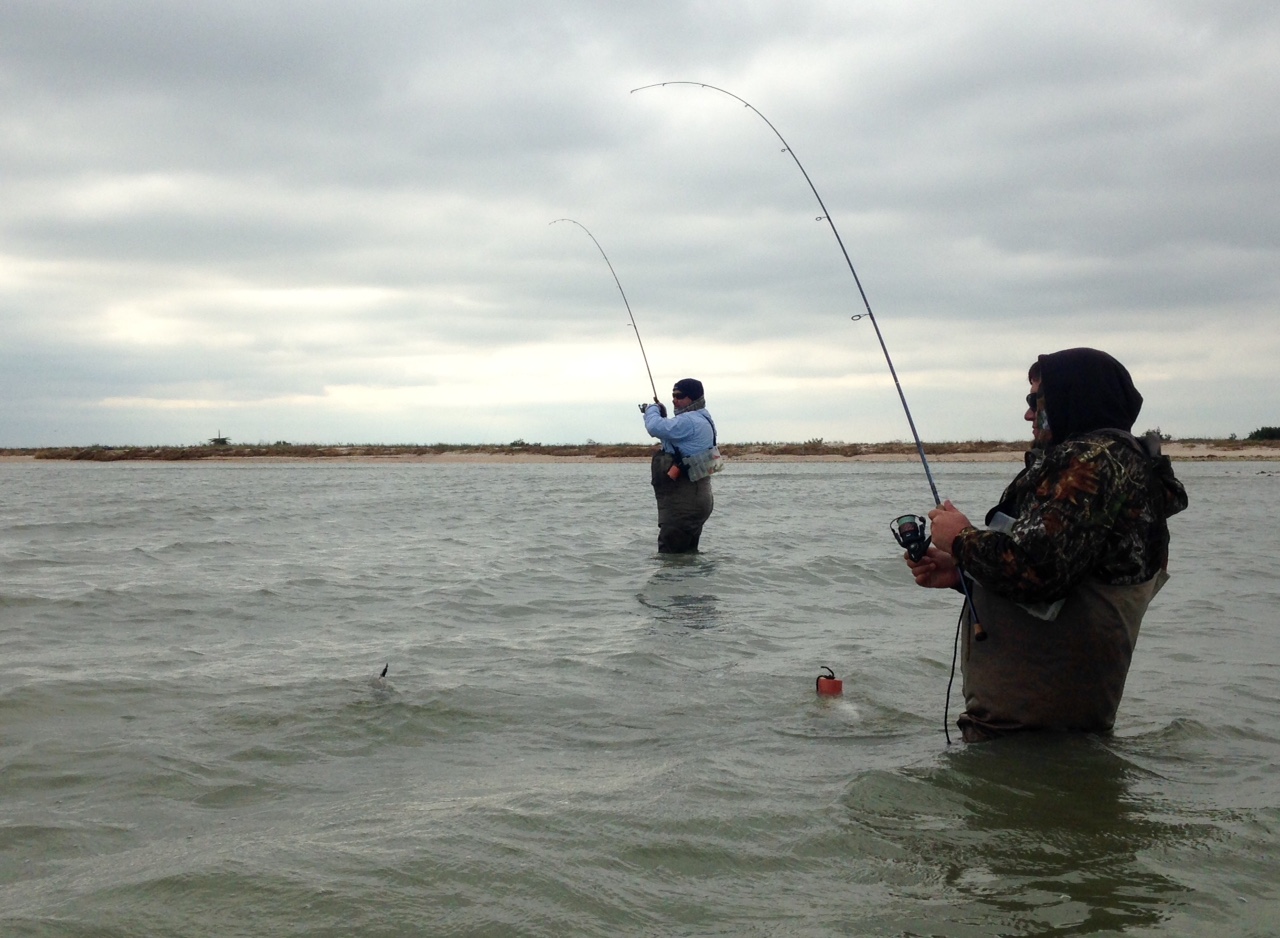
pixel 1010 453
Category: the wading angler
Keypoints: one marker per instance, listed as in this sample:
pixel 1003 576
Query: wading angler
pixel 1069 559
pixel 682 468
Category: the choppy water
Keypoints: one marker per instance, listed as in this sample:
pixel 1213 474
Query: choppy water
pixel 579 737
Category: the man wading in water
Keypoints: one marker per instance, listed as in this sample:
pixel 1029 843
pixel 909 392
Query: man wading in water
pixel 1071 557
pixel 682 468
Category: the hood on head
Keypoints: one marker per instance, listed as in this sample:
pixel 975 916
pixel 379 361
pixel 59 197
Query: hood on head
pixel 1085 389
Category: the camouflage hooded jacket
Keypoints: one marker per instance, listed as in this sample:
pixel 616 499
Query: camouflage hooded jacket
pixel 1094 506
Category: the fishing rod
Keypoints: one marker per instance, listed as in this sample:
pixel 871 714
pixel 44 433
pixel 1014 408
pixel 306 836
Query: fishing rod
pixel 978 632
pixel 634 328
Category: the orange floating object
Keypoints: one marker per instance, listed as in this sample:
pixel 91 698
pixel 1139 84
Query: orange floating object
pixel 828 685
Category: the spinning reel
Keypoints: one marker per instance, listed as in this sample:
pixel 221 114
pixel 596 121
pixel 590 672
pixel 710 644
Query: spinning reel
pixel 909 531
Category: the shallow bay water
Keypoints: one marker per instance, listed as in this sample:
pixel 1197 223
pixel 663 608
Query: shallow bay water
pixel 577 736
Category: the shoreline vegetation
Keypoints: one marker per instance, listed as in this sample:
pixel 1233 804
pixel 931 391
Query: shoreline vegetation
pixel 520 451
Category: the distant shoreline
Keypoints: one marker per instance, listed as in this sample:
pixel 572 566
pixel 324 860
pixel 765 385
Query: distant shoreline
pixel 519 452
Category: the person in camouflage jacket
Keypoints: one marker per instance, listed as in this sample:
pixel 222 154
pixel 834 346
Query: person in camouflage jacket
pixel 1069 560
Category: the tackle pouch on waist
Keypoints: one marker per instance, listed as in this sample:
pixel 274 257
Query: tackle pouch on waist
pixel 703 464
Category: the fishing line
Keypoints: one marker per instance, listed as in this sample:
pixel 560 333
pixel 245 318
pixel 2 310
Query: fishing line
pixel 978 632
pixel 634 328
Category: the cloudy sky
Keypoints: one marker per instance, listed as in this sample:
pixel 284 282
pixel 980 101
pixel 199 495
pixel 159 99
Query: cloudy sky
pixel 331 221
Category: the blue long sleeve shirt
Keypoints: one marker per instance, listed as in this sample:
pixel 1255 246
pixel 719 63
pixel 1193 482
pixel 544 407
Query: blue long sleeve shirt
pixel 690 432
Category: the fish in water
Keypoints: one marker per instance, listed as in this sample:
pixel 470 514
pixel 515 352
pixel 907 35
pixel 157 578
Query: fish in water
pixel 380 682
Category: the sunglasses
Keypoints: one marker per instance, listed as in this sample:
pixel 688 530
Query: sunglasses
pixel 1031 400
pixel 677 396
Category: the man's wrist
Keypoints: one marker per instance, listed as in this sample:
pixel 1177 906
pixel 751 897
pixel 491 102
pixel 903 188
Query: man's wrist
pixel 955 541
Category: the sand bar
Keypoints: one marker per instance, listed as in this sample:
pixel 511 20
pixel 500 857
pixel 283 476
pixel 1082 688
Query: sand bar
pixel 1006 453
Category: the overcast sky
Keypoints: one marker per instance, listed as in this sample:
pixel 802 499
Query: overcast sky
pixel 331 221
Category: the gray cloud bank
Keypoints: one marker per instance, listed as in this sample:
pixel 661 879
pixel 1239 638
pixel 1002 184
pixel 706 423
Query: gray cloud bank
pixel 329 222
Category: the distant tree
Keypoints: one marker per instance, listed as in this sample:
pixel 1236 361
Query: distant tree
pixel 1265 433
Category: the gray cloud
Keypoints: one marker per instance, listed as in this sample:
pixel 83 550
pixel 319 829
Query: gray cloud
pixel 330 220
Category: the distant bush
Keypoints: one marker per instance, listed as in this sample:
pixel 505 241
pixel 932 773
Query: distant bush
pixel 1265 433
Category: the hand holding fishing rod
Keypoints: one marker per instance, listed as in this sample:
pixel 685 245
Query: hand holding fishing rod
pixel 978 632
pixel 932 565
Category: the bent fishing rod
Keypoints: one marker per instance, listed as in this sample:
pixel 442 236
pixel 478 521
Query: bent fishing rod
pixel 634 328
pixel 866 303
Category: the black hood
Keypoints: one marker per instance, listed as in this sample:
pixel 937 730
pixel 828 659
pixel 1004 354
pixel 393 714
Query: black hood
pixel 1085 389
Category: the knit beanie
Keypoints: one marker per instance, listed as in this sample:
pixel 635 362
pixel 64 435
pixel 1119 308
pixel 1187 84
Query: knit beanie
pixel 688 387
